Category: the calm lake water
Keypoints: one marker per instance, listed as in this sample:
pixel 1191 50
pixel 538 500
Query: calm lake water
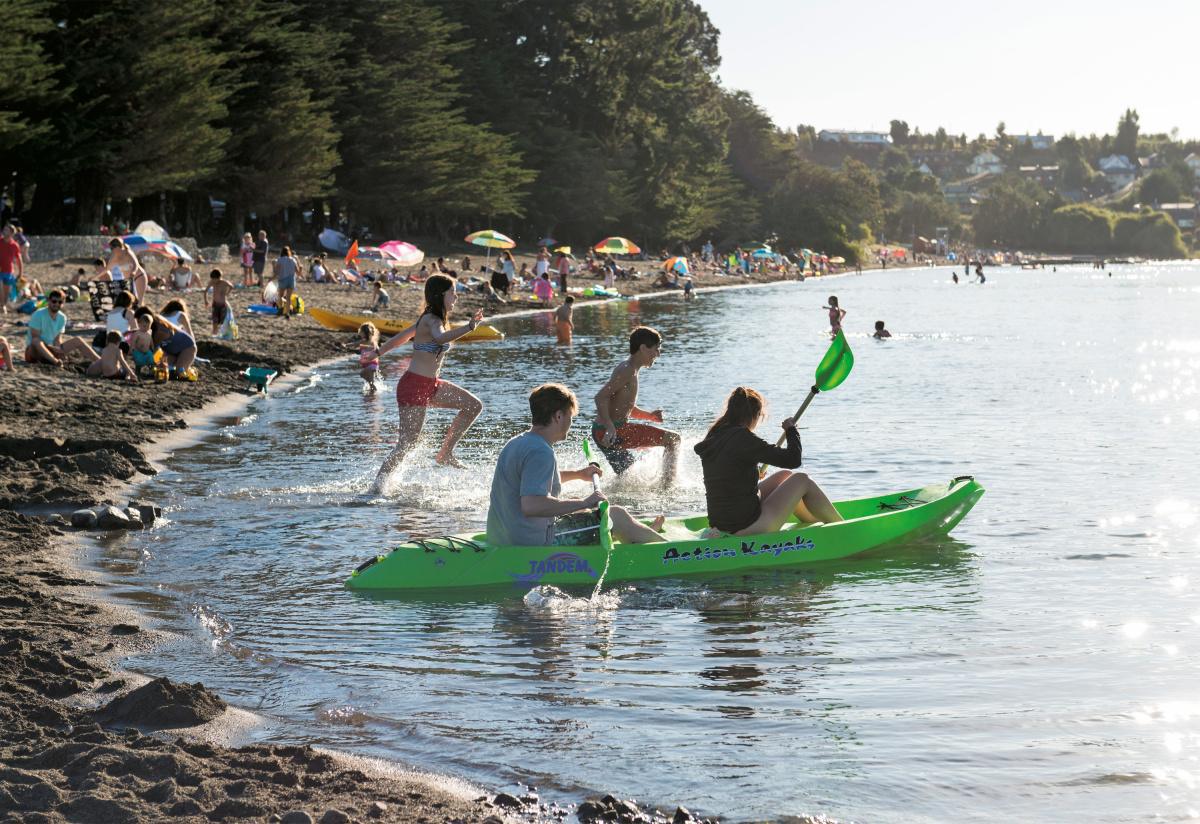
pixel 1043 664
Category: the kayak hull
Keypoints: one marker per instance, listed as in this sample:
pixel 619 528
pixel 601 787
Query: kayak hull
pixel 350 323
pixel 463 561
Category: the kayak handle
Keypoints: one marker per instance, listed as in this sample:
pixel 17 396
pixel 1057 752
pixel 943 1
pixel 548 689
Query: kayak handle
pixel 961 478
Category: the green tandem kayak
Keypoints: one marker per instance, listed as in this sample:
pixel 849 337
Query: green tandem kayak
pixel 461 561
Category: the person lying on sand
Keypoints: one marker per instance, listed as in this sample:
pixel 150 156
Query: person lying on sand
pixel 525 508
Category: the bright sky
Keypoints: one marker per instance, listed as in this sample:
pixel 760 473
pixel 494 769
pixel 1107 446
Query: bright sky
pixel 1056 65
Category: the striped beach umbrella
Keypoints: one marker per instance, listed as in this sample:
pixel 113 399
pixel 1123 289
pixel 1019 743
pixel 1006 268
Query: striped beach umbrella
pixel 617 246
pixel 405 253
pixel 491 239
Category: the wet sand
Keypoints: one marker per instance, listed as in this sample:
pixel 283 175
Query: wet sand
pixel 74 742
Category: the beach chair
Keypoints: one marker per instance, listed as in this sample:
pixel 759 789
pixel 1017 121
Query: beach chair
pixel 101 294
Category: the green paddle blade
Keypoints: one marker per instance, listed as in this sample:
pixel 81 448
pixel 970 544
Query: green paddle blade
pixel 587 451
pixel 605 528
pixel 835 366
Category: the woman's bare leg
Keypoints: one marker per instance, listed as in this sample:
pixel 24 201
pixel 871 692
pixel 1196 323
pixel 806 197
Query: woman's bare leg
pixel 783 502
pixel 452 396
pixel 412 420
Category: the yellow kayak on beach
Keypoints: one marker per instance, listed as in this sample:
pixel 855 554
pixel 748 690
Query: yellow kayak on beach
pixel 350 323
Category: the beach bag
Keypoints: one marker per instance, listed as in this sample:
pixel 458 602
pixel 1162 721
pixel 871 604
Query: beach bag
pixel 229 329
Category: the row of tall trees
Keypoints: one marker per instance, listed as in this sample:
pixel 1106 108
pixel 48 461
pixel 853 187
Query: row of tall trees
pixel 416 117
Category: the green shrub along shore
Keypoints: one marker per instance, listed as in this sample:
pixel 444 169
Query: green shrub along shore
pixel 435 118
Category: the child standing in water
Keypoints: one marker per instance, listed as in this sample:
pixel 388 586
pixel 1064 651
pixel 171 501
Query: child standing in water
pixel 563 323
pixel 836 316
pixel 368 355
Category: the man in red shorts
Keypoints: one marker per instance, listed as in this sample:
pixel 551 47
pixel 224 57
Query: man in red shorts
pixel 614 430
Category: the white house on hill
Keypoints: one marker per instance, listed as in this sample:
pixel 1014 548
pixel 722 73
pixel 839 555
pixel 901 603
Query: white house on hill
pixel 1193 162
pixel 986 163
pixel 1118 169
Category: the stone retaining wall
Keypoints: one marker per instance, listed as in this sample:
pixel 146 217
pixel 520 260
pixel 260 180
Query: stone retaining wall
pixel 43 248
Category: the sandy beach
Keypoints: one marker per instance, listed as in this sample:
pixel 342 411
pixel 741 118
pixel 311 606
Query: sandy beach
pixel 74 740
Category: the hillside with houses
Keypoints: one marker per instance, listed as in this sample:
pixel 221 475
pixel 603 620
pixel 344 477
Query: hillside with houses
pixel 1004 190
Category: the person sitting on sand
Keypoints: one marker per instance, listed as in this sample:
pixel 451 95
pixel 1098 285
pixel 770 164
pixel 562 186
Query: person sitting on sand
pixel 564 325
pixel 219 289
pixel 6 361
pixel 420 387
pixel 880 331
pixel 182 276
pixel 730 454
pixel 178 347
pixel 616 405
pixel 381 297
pixel 44 341
pixel 525 508
pixel 176 311
pixel 112 363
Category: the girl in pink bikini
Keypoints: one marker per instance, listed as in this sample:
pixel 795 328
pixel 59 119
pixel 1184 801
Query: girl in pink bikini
pixel 420 387
pixel 836 315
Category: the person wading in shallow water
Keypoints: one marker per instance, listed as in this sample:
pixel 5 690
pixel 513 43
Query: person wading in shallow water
pixel 616 407
pixel 420 387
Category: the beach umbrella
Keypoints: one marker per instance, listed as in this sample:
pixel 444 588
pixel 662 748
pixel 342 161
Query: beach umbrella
pixel 899 253
pixel 566 250
pixel 137 243
pixel 679 264
pixel 167 249
pixel 838 259
pixel 763 252
pixel 334 241
pixel 806 252
pixel 617 246
pixel 405 253
pixel 547 241
pixel 378 255
pixel 491 239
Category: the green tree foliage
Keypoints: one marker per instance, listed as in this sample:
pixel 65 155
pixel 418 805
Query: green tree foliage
pixel 1011 214
pixel 1079 228
pixel 1163 186
pixel 1149 234
pixel 899 132
pixel 283 145
pixel 1127 135
pixel 26 75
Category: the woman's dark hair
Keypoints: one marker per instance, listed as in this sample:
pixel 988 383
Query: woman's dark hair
pixel 548 399
pixel 286 251
pixel 143 310
pixel 173 306
pixel 436 287
pixel 123 300
pixel 743 407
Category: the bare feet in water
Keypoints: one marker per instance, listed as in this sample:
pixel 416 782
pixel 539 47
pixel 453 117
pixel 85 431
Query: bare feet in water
pixel 449 460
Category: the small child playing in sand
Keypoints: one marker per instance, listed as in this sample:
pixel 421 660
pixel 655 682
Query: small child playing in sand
pixel 880 331
pixel 368 355
pixel 219 289
pixel 112 363
pixel 564 324
pixel 381 297
pixel 836 316
pixel 5 354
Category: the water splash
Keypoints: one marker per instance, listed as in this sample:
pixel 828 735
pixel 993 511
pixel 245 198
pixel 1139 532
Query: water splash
pixel 549 599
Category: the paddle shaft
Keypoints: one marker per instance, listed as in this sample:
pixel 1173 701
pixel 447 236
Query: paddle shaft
pixel 812 393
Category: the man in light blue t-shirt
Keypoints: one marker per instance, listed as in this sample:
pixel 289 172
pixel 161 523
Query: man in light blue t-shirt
pixel 44 341
pixel 525 509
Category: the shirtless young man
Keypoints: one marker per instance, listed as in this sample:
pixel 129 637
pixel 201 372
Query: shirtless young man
pixel 616 405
